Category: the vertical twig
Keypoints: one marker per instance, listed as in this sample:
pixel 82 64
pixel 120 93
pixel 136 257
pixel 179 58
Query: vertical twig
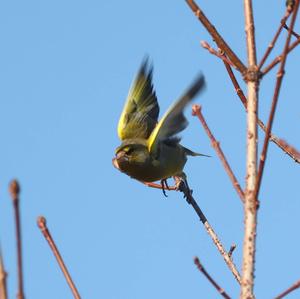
pixel 215 144
pixel 295 286
pixel 250 208
pixel 14 189
pixel 3 275
pixel 210 279
pixel 44 229
pixel 280 74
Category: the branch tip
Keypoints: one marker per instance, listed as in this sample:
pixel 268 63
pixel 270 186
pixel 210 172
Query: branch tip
pixel 14 190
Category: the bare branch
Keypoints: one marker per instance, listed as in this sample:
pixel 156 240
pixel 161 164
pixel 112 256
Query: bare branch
pixel 216 145
pixel 210 279
pixel 273 42
pixel 231 250
pixel 190 200
pixel 287 148
pixel 279 58
pixel 280 74
pixel 3 275
pixel 250 208
pixel 216 36
pixel 219 54
pixel 14 189
pixel 44 229
pixel 295 286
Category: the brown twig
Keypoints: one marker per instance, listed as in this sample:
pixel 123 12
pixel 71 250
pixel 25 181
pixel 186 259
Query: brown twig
pixel 283 145
pixel 190 200
pixel 295 34
pixel 216 145
pixel 210 279
pixel 14 189
pixel 211 50
pixel 231 250
pixel 280 74
pixel 3 275
pixel 279 58
pixel 295 286
pixel 250 208
pixel 41 221
pixel 216 36
pixel 272 43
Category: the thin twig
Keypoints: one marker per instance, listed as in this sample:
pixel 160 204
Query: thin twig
pixel 216 36
pixel 14 189
pixel 190 200
pixel 210 279
pixel 280 74
pixel 231 250
pixel 295 34
pixel 273 42
pixel 44 229
pixel 3 275
pixel 211 50
pixel 279 58
pixel 295 286
pixel 283 145
pixel 216 145
pixel 250 208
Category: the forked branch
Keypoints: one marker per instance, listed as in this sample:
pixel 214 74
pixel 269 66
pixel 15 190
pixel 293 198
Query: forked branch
pixel 216 36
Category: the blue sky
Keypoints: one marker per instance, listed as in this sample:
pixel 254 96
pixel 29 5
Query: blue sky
pixel 65 70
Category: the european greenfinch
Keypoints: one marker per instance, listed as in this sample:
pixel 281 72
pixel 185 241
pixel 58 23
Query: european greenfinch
pixel 150 150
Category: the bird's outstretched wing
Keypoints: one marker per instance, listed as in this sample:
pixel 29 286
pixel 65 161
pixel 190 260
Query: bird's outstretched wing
pixel 173 120
pixel 140 112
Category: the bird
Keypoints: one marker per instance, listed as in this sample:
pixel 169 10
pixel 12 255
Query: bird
pixel 150 150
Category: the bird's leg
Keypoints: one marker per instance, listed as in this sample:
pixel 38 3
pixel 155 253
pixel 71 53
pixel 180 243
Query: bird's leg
pixel 183 186
pixel 164 185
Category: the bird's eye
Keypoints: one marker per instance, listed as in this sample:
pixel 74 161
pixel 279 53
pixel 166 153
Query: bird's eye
pixel 128 150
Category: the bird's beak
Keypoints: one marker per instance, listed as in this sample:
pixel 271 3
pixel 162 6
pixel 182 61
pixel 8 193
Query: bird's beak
pixel 115 163
pixel 120 158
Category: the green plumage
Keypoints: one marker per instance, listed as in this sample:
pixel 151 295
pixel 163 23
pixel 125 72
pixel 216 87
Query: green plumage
pixel 150 150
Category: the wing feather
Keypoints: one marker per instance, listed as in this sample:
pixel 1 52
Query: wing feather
pixel 140 112
pixel 174 120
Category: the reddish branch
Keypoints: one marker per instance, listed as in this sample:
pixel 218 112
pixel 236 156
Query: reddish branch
pixel 216 36
pixel 216 145
pixel 43 227
pixel 295 286
pixel 14 189
pixel 210 279
pixel 283 145
pixel 272 44
pixel 280 74
pixel 279 58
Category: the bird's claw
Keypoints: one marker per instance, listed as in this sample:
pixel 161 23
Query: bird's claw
pixel 164 186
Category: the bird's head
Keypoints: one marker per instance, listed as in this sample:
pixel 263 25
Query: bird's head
pixel 129 156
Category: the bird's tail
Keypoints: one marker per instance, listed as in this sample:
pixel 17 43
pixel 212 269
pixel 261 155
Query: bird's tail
pixel 191 153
